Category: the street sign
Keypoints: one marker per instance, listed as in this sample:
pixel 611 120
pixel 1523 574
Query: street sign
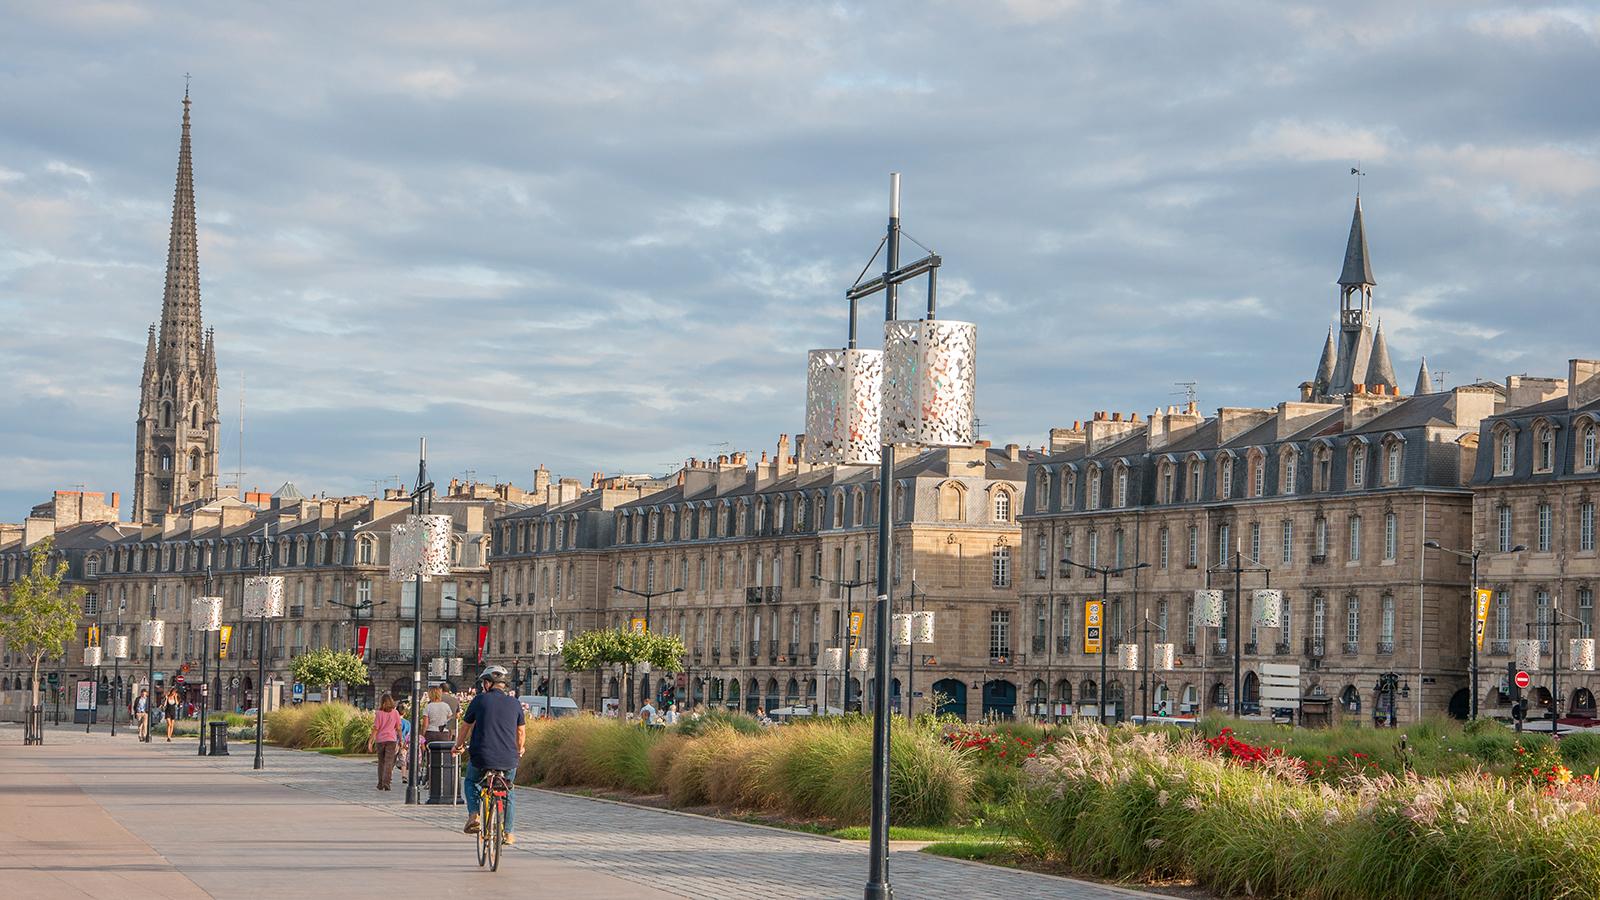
pixel 54 678
pixel 636 625
pixel 1523 679
pixel 1093 611
pixel 1280 686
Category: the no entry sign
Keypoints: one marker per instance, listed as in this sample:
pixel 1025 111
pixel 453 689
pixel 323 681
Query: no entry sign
pixel 1523 680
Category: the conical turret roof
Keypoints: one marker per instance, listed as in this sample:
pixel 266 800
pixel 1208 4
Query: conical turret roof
pixel 1357 268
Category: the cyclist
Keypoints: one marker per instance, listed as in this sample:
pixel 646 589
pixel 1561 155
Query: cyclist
pixel 493 731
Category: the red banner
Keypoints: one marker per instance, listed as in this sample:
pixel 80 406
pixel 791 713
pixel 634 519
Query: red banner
pixel 361 641
pixel 483 640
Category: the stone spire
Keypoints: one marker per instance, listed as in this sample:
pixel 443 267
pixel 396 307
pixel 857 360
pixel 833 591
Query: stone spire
pixel 1380 372
pixel 181 331
pixel 148 382
pixel 1325 367
pixel 1357 269
pixel 1424 379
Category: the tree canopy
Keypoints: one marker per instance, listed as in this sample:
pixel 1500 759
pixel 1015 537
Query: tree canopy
pixel 325 668
pixel 37 618
pixel 593 649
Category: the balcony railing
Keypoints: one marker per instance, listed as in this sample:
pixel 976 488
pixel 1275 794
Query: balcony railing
pixel 1063 644
pixel 1500 648
pixel 794 651
pixel 1219 647
pixel 733 653
pixel 1351 648
pixel 1385 647
pixel 1189 648
pixel 1281 648
pixel 716 654
pixel 1315 648
pixel 1318 559
pixel 1250 648
pixel 772 650
pixel 755 650
pixel 771 593
pixel 1038 643
pixel 296 612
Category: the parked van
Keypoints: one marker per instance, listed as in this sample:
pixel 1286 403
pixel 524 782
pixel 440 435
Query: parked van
pixel 561 706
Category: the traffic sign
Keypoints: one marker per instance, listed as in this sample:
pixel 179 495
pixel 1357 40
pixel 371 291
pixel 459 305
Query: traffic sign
pixel 1523 679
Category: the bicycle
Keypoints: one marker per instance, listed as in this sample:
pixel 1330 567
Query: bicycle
pixel 492 790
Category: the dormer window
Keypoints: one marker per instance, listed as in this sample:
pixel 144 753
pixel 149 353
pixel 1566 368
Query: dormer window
pixel 1544 441
pixel 1288 471
pixel 1506 452
pixel 1258 475
pixel 1358 466
pixel 1094 488
pixel 1041 496
pixel 1392 455
pixel 1197 477
pixel 1225 478
pixel 1122 486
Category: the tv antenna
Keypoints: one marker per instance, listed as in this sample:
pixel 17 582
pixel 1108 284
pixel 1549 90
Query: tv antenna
pixel 1188 391
pixel 239 473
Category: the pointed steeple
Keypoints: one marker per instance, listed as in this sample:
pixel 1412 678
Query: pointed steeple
pixel 148 383
pixel 1424 379
pixel 180 301
pixel 1325 366
pixel 1357 269
pixel 1380 372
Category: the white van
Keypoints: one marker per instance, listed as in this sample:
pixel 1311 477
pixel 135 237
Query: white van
pixel 560 706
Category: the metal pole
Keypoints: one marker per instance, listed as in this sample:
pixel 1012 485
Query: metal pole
pixel 1473 606
pixel 1238 614
pixel 261 653
pixel 150 681
pixel 1145 651
pixel 420 500
pixel 116 676
pixel 1105 643
pixel 205 677
pixel 94 703
pixel 878 887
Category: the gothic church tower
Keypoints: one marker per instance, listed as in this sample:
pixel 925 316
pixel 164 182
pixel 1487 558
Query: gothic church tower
pixel 176 450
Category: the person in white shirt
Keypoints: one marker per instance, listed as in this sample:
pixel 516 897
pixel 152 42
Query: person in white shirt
pixel 648 714
pixel 671 714
pixel 440 721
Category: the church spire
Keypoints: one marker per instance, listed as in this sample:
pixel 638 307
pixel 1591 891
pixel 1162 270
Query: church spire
pixel 1325 367
pixel 1424 379
pixel 1357 270
pixel 180 301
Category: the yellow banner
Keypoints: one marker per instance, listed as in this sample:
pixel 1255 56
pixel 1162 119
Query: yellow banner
pixel 636 624
pixel 856 618
pixel 222 641
pixel 1484 596
pixel 1093 624
pixel 94 635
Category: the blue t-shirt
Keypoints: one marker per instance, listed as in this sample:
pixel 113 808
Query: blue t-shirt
pixel 494 718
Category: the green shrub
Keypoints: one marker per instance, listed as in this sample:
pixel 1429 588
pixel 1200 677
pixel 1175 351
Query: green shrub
pixel 356 732
pixel 325 725
pixel 695 725
pixel 1581 752
pixel 286 726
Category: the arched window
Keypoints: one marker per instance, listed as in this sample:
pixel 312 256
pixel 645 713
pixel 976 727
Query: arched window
pixel 1391 462
pixel 1358 465
pixel 194 416
pixel 1288 466
pixel 1093 498
pixel 1121 486
pixel 1544 441
pixel 1225 476
pixel 1041 494
pixel 1506 452
pixel 952 502
pixel 1591 446
pixel 194 460
pixel 166 415
pixel 166 459
pixel 1002 505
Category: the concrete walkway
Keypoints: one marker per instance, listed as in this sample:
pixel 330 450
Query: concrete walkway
pixel 95 816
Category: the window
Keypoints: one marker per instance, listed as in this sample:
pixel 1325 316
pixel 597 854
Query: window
pixel 1322 475
pixel 1358 465
pixel 1391 536
pixel 1319 538
pixel 1225 478
pixel 1161 618
pixel 1196 481
pixel 1255 541
pixel 1545 440
pixel 1041 556
pixel 1586 612
pixel 1288 542
pixel 1355 538
pixel 1544 527
pixel 1122 486
pixel 1507 461
pixel 364 552
pixel 1189 624
pixel 1504 529
pixel 408 636
pixel 1224 541
pixel 1386 622
pixel 1289 470
pixel 1041 494
pixel 1319 618
pixel 1094 488
pixel 1502 616
pixel 364 591
pixel 999 634
pixel 1352 620
pixel 1286 626
pixel 447 641
pixel 1591 446
pixel 1586 525
pixel 1094 548
pixel 1194 546
pixel 1168 491
pixel 1164 541
pixel 1069 488
pixel 1002 567
pixel 1259 479
pixel 447 599
pixel 1541 603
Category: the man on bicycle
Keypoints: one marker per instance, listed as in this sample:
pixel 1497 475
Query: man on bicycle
pixel 493 730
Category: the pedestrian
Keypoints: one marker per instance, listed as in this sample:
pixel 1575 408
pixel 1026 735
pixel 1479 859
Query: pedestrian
pixel 648 714
pixel 451 698
pixel 385 739
pixel 671 714
pixel 441 720
pixel 405 740
pixel 141 712
pixel 171 712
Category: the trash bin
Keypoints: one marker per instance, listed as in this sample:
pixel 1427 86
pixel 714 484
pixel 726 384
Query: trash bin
pixel 444 776
pixel 219 737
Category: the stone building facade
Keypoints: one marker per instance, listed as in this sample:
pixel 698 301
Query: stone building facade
pixel 1536 484
pixel 751 566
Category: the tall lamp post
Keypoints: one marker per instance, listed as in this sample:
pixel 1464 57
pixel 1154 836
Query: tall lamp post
pixel 849 636
pixel 1105 573
pixel 1236 566
pixel 1477 628
pixel 205 616
pixel 119 652
pixel 648 596
pixel 419 550
pixel 263 601
pixel 153 636
pixel 356 608
pixel 92 659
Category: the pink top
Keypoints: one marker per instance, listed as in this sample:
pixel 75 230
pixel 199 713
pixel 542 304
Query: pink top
pixel 386 725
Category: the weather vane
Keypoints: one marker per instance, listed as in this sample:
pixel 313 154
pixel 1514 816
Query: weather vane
pixel 1356 171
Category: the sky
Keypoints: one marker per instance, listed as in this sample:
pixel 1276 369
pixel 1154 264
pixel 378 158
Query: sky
pixel 601 237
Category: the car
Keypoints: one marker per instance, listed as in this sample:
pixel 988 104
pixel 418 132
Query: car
pixel 560 706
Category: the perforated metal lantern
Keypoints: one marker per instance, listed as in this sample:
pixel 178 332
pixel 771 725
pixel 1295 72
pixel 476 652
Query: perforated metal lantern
pixel 117 645
pixel 1581 652
pixel 929 382
pixel 404 551
pixel 1208 609
pixel 831 660
pixel 922 627
pixel 844 407
pixel 436 667
pixel 263 597
pixel 455 666
pixel 1267 608
pixel 1527 655
pixel 91 656
pixel 433 548
pixel 205 614
pixel 153 633
pixel 902 629
pixel 1128 657
pixel 1162 656
pixel 858 660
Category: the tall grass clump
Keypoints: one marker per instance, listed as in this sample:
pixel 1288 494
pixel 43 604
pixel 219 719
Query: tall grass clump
pixel 698 724
pixel 590 751
pixel 286 726
pixel 356 732
pixel 325 725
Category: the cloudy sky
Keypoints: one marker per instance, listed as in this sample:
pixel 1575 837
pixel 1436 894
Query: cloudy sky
pixel 601 236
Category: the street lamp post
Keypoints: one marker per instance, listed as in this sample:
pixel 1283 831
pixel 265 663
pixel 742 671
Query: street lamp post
pixel 150 680
pixel 648 595
pixel 355 626
pixel 421 504
pixel 205 676
pixel 265 559
pixel 1238 569
pixel 1105 573
pixel 118 651
pixel 849 611
pixel 1473 555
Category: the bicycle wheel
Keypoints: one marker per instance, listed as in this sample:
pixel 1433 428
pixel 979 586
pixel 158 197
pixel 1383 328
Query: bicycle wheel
pixel 497 834
pixel 486 814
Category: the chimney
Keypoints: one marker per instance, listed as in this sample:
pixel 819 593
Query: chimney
pixel 1583 387
pixel 1011 452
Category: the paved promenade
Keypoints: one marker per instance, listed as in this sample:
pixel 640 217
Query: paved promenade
pixel 93 816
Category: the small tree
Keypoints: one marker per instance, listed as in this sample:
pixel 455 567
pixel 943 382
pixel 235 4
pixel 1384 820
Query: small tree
pixel 36 617
pixel 594 649
pixel 324 668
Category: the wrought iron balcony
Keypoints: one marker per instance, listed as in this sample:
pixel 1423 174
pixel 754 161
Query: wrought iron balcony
pixel 1063 644
pixel 1250 648
pixel 1385 648
pixel 1219 647
pixel 755 650
pixel 1189 648
pixel 772 650
pixel 1316 648
pixel 296 612
pixel 716 654
pixel 1281 648
pixel 1500 648
pixel 1351 648
pixel 1038 643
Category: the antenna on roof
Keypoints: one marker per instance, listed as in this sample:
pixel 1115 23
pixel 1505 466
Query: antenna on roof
pixel 1188 391
pixel 1440 378
pixel 238 474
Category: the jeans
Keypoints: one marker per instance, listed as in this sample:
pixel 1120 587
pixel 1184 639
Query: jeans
pixel 473 775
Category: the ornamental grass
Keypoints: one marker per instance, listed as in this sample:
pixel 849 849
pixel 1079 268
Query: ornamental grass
pixel 325 725
pixel 356 732
pixel 1132 806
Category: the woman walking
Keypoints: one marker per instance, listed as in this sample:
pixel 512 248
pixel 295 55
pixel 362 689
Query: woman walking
pixel 171 712
pixel 440 718
pixel 385 739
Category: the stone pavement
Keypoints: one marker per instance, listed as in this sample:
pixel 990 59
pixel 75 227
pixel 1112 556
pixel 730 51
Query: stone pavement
pixel 103 817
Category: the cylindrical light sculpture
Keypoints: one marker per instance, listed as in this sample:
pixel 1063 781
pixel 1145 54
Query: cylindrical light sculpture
pixel 844 407
pixel 858 659
pixel 92 657
pixel 831 660
pixel 153 633
pixel 263 597
pixel 205 614
pixel 1527 655
pixel 1208 609
pixel 1267 606
pixel 930 381
pixel 1581 652
pixel 1128 657
pixel 118 645
pixel 902 629
pixel 922 627
pixel 1162 656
